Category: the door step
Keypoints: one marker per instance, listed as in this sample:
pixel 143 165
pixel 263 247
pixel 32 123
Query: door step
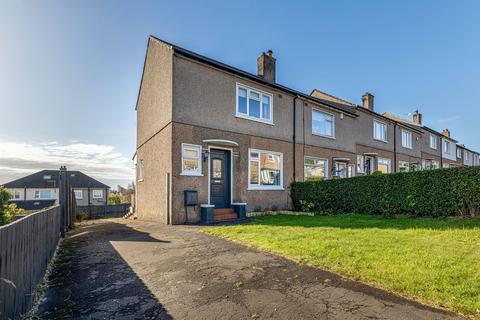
pixel 224 214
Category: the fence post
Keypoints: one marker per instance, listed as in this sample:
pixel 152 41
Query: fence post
pixel 62 194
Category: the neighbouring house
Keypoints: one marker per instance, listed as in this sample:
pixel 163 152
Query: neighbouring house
pixel 238 138
pixel 41 190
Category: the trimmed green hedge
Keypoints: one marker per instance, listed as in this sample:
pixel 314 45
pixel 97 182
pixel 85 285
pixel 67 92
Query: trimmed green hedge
pixel 434 193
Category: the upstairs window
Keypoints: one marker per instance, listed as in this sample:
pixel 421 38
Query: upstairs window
pixel 406 139
pixel 254 104
pixel 323 124
pixel 140 170
pixel 97 194
pixel 16 194
pixel 446 147
pixel 433 142
pixel 78 194
pixel 379 131
pixel 191 160
pixel 466 155
pixel 459 153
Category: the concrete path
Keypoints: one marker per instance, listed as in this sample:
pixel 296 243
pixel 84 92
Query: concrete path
pixel 117 269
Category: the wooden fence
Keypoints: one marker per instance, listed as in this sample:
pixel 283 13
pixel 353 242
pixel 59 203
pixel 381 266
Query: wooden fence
pixel 26 247
pixel 108 211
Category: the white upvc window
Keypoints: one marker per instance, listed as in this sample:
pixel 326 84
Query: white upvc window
pixel 16 195
pixel 406 139
pixel 97 194
pixel 459 153
pixel 43 194
pixel 265 170
pixel 384 165
pixel 404 166
pixel 379 130
pixel 140 170
pixel 340 170
pixel 254 104
pixel 433 142
pixel 323 123
pixel 446 147
pixel 315 168
pixel 191 160
pixel 78 194
pixel 360 164
pixel 465 155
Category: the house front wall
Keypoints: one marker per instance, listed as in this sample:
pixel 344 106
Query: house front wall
pixel 207 97
pixel 450 156
pixel 264 199
pixel 95 201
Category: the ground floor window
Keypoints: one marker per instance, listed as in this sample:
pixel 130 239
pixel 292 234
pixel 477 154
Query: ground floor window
pixel 191 160
pixel 78 194
pixel 16 194
pixel 340 170
pixel 97 194
pixel 351 170
pixel 404 166
pixel 430 164
pixel 384 165
pixel 265 169
pixel 315 168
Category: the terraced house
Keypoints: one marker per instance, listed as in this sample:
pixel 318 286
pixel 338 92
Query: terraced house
pixel 240 139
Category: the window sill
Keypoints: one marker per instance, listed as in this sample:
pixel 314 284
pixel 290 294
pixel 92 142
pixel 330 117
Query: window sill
pixel 323 136
pixel 140 180
pixel 242 116
pixel 380 140
pixel 186 174
pixel 254 188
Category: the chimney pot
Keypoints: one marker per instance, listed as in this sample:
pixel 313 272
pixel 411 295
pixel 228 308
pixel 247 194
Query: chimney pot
pixel 266 66
pixel 367 101
pixel 417 117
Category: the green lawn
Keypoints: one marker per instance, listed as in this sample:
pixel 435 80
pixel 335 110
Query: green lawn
pixel 436 261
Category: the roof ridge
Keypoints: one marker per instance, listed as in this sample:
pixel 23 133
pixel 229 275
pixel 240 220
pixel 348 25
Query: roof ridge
pixel 335 97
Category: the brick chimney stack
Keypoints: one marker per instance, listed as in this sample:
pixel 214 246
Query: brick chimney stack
pixel 266 66
pixel 446 133
pixel 417 118
pixel 367 101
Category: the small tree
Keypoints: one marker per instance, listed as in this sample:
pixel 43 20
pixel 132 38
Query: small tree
pixel 4 213
pixel 114 199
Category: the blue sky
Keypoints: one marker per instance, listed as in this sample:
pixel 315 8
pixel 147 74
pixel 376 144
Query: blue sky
pixel 70 70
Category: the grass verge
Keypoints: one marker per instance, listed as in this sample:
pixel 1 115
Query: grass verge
pixel 435 261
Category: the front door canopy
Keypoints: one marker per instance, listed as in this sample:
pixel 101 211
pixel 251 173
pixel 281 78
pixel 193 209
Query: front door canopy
pixel 221 142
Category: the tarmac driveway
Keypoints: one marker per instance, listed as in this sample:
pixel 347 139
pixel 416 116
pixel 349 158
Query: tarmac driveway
pixel 123 269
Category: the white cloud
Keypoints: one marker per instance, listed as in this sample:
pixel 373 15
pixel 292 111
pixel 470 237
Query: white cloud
pixel 99 161
pixel 449 119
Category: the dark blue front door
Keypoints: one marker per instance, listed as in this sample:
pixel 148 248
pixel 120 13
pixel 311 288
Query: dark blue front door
pixel 220 178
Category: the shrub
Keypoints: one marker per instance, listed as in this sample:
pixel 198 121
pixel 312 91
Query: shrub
pixel 5 214
pixel 80 216
pixel 257 209
pixel 114 199
pixel 443 192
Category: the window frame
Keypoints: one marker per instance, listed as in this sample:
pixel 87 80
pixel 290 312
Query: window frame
pixel 445 144
pixel 410 139
pixel 198 172
pixel 385 125
pixel 260 186
pixel 97 197
pixel 81 193
pixel 389 164
pixel 14 195
pixel 141 171
pixel 333 123
pixel 247 115
pixel 325 177
pixel 402 163
pixel 39 191
pixel 433 138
